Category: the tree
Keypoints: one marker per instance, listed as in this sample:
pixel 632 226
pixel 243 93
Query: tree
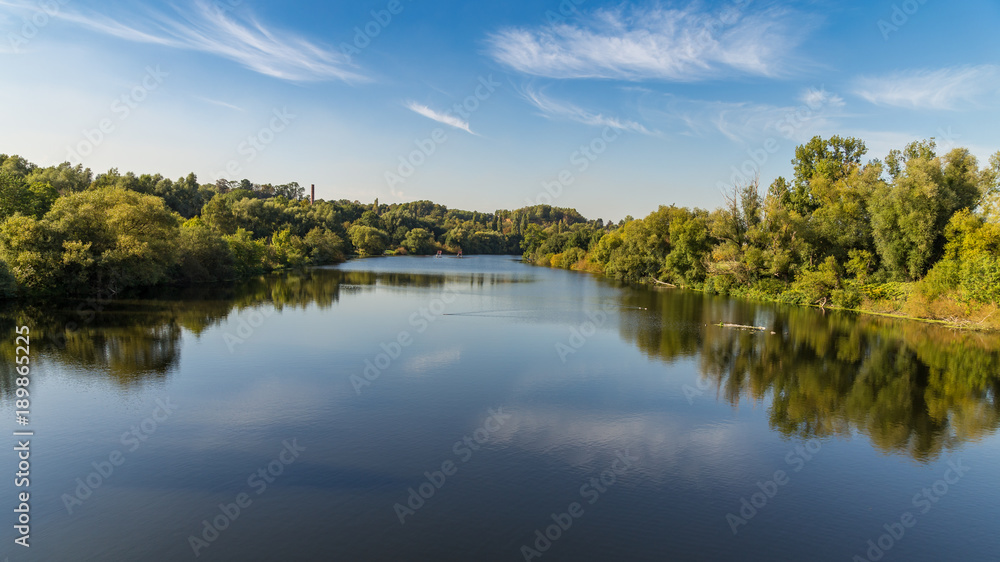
pixel 456 238
pixel 989 203
pixel 818 286
pixel 738 226
pixel 368 241
pixel 65 178
pixel 249 255
pixel 15 165
pixel 18 196
pixel 910 214
pixel 419 241
pixel 203 255
pixel 218 214
pixel 103 239
pixel 372 220
pixel 131 238
pixel 831 159
pixel 690 245
pixel 32 253
pixel 287 250
pixel 841 221
pixel 324 246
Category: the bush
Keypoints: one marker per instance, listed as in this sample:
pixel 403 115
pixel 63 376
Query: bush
pixel 981 279
pixel 942 278
pixel 719 284
pixel 887 291
pixel 848 297
pixel 817 286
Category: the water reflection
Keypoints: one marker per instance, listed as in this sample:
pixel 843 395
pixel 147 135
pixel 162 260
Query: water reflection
pixel 911 388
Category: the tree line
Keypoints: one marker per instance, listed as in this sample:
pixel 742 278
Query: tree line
pixel 64 230
pixel 916 233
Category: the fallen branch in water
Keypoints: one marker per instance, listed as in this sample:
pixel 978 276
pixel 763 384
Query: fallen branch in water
pixel 742 327
pixel 665 284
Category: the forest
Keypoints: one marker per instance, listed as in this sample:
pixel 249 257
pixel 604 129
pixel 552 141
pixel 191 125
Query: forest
pixel 916 233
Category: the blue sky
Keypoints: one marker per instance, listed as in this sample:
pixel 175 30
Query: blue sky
pixel 615 107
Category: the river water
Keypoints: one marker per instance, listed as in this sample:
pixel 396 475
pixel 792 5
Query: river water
pixel 482 409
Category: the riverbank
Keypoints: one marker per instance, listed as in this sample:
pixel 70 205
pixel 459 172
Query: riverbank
pixel 893 300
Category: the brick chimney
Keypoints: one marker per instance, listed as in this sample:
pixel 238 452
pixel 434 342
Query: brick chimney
pixel 312 195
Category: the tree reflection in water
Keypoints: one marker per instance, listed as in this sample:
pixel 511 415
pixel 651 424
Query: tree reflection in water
pixel 912 388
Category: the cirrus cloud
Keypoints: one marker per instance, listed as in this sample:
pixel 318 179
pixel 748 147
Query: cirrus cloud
pixel 942 89
pixel 551 108
pixel 441 117
pixel 207 27
pixel 637 43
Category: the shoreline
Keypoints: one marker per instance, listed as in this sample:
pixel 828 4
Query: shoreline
pixel 963 325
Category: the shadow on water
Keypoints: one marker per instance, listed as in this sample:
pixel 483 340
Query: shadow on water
pixel 912 388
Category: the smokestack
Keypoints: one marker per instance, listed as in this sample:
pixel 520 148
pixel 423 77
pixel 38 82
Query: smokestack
pixel 312 195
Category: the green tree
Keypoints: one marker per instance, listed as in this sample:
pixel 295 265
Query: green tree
pixel 841 221
pixel 372 220
pixel 19 196
pixel 65 178
pixel 989 203
pixel 368 241
pixel 691 244
pixel 324 246
pixel 910 214
pixel 249 255
pixel 104 239
pixel 831 159
pixel 287 250
pixel 203 255
pixel 819 285
pixel 33 254
pixel 419 241
pixel 131 238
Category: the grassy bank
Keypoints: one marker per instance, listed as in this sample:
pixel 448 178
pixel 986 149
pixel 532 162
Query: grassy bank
pixel 910 301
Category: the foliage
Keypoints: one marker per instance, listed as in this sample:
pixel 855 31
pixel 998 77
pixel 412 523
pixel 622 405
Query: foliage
pixel 818 285
pixel 368 241
pixel 17 195
pixel 324 247
pixel 249 255
pixel 915 231
pixel 204 256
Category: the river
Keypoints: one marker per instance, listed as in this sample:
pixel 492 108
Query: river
pixel 482 409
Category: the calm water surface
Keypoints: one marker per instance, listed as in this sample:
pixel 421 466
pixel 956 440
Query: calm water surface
pixel 444 409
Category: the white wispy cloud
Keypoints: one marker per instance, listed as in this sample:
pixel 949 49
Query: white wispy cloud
pixel 551 108
pixel 220 103
pixel 235 35
pixel 637 43
pixel 947 88
pixel 819 97
pixel 743 122
pixel 443 118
